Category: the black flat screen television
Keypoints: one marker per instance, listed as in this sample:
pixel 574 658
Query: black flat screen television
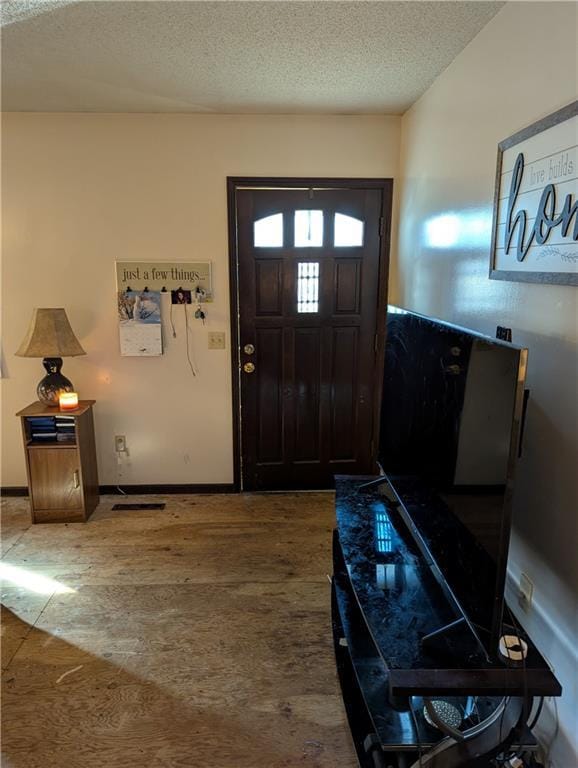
pixel 450 428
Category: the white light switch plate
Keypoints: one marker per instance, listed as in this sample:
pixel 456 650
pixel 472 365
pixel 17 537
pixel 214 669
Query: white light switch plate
pixel 216 340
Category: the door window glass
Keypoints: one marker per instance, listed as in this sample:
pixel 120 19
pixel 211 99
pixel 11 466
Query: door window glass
pixel 268 232
pixel 308 286
pixel 308 229
pixel 348 231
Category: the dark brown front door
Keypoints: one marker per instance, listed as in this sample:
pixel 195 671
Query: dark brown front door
pixel 310 271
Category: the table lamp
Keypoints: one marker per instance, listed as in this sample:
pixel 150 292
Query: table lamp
pixel 51 337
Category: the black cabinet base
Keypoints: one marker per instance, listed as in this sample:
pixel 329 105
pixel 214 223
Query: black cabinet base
pixel 388 680
pixel 367 745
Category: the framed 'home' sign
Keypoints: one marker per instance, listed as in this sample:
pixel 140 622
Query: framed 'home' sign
pixel 535 229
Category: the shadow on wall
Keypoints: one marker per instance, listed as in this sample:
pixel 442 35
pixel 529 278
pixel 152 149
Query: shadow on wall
pixel 546 487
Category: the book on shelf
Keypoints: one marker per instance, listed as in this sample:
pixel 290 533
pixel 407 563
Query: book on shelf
pixel 60 428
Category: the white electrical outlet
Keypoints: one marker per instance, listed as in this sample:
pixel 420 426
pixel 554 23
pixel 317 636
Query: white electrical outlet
pixel 120 444
pixel 525 592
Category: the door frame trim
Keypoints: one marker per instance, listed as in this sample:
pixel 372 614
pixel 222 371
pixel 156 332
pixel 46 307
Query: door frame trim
pixel 235 183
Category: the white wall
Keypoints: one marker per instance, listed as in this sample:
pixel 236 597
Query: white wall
pixel 521 67
pixel 80 191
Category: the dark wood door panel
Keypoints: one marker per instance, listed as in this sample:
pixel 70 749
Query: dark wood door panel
pixel 268 287
pixel 345 407
pixel 311 312
pixel 347 286
pixel 269 387
pixel 307 390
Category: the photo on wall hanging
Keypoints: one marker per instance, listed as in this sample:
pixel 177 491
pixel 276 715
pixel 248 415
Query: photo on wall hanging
pixel 535 228
pixel 139 318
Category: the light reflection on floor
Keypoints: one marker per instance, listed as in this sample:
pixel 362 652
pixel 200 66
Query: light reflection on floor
pixel 34 582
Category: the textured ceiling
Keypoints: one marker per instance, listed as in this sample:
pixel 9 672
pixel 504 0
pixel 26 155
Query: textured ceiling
pixel 232 57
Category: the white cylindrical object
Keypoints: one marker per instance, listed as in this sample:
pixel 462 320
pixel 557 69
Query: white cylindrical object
pixel 513 648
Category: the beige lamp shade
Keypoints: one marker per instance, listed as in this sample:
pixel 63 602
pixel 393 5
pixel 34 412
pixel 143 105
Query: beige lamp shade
pixel 50 335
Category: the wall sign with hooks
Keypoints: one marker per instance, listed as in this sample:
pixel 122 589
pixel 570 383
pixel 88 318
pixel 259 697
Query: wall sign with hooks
pixel 165 276
pixel 140 285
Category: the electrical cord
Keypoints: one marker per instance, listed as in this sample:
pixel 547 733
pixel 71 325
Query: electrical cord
pixel 536 717
pixel 518 632
pixel 548 746
pixel 187 330
pixel 118 475
pixel 191 366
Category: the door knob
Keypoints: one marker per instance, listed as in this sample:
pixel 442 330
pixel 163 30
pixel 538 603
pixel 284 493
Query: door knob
pixel 248 367
pixel 248 349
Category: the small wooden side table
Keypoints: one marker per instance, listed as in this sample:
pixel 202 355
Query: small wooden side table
pixel 60 462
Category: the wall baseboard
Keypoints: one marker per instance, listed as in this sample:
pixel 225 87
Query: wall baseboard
pixel 142 489
pixel 160 489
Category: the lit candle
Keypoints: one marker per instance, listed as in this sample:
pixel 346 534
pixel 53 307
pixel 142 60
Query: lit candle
pixel 68 401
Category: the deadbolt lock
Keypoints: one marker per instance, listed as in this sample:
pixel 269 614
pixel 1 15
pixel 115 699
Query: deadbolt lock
pixel 249 349
pixel 248 367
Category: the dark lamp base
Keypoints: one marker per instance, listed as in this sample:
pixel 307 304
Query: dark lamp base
pixel 51 386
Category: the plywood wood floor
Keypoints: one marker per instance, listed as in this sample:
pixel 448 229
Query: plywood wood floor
pixel 198 636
